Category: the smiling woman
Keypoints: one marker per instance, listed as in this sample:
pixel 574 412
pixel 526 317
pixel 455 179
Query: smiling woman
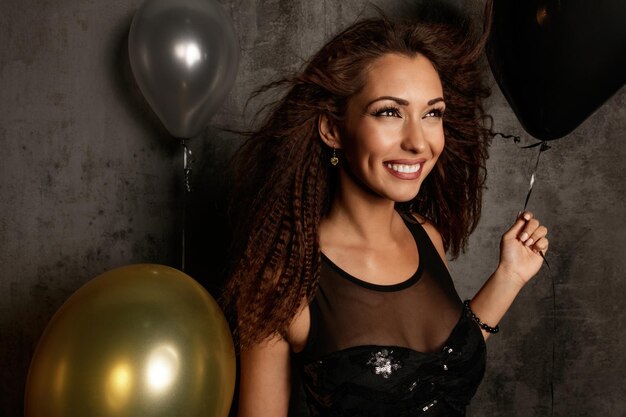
pixel 347 199
pixel 392 132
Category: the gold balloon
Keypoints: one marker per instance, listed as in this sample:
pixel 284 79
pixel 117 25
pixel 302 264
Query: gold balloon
pixel 141 340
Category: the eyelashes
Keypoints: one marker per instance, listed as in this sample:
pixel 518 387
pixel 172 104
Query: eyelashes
pixel 393 111
pixel 436 112
pixel 387 111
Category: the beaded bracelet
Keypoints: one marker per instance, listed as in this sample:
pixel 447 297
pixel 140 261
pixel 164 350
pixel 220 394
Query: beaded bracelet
pixel 482 325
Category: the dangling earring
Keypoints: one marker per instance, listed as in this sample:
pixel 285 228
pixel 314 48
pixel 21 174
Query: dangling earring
pixel 333 159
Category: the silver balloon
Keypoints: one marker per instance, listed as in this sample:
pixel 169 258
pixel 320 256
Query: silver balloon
pixel 184 55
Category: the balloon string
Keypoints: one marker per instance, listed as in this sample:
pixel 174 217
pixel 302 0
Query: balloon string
pixel 187 162
pixel 517 140
pixel 543 146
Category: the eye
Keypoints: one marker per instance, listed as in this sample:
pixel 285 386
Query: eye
pixel 389 111
pixel 436 112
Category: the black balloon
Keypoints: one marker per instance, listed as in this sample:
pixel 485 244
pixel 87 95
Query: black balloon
pixel 557 61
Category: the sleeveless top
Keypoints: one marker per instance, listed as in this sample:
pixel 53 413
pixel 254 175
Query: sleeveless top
pixel 407 349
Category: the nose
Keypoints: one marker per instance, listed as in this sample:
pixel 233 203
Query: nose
pixel 414 137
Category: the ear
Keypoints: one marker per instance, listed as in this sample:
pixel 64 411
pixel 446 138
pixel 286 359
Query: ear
pixel 329 131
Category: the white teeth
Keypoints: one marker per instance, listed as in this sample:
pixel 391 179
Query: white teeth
pixel 404 168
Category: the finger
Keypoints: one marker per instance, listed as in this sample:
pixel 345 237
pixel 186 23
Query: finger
pixel 539 232
pixel 528 230
pixel 541 245
pixel 519 224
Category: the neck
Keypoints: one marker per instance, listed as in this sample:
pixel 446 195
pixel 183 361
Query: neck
pixel 360 217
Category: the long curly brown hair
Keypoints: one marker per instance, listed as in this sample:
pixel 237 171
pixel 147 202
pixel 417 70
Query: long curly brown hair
pixel 283 184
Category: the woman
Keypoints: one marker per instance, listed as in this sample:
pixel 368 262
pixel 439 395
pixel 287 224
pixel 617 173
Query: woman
pixel 363 176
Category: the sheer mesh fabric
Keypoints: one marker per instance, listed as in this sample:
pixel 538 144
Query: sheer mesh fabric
pixel 391 350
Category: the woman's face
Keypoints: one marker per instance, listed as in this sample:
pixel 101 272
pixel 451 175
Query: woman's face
pixel 393 132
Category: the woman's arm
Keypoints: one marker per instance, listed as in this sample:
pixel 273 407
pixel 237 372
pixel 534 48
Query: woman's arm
pixel 520 260
pixel 264 384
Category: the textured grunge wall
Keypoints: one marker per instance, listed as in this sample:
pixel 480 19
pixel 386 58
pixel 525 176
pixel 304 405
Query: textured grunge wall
pixel 89 180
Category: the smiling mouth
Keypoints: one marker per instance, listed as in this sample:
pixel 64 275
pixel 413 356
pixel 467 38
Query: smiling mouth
pixel 404 169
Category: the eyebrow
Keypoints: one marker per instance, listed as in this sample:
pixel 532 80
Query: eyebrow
pixel 402 101
pixel 435 100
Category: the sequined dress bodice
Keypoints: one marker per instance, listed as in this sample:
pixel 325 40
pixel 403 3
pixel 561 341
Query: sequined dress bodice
pixel 407 349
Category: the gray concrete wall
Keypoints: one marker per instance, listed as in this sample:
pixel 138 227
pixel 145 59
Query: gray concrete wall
pixel 89 180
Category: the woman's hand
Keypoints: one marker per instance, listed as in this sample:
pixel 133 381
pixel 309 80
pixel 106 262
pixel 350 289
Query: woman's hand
pixel 520 246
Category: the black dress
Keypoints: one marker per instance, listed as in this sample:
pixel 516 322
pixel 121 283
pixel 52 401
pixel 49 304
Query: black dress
pixel 407 349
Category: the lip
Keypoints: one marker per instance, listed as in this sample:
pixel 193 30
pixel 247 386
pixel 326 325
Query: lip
pixel 405 175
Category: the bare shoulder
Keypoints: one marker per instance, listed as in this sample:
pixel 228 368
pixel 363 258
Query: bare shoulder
pixel 433 234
